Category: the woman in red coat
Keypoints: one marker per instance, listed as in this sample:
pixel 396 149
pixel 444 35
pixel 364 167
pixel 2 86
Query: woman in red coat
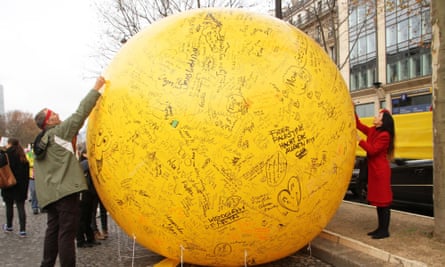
pixel 379 147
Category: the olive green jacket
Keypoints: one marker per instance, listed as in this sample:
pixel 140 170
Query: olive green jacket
pixel 58 174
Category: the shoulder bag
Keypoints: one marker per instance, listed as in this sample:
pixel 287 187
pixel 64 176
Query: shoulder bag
pixel 7 178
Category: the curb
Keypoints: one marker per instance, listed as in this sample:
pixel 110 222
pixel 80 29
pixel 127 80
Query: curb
pixel 343 251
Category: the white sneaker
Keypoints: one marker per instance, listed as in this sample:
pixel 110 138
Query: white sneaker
pixel 7 229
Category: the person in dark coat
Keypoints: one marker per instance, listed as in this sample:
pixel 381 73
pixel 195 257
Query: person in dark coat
pixel 18 193
pixel 379 147
pixel 85 235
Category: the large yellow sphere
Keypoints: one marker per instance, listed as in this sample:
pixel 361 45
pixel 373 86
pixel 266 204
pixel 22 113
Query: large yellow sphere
pixel 224 137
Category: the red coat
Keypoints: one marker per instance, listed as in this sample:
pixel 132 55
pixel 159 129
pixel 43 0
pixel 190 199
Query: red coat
pixel 379 170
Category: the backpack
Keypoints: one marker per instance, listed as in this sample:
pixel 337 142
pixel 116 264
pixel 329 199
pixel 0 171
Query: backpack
pixel 39 146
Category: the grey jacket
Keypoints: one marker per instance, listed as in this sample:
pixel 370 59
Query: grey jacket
pixel 58 174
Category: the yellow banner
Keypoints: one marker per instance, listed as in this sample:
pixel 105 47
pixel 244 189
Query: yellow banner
pixel 414 135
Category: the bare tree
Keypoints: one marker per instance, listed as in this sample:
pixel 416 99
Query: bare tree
pixel 19 125
pixel 438 55
pixel 322 19
pixel 122 19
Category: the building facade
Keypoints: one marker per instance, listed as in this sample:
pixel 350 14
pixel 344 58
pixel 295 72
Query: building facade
pixel 382 48
pixel 2 101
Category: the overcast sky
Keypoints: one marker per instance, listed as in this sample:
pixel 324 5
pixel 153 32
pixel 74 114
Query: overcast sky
pixel 46 49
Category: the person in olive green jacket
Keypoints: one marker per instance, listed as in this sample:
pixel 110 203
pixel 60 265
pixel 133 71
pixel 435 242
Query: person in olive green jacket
pixel 59 178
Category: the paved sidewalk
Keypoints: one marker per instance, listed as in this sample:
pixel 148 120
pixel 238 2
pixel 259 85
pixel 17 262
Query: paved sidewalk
pixel 410 244
pixel 118 250
pixel 343 243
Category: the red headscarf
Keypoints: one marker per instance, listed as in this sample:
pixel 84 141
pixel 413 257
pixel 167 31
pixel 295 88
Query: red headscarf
pixel 48 114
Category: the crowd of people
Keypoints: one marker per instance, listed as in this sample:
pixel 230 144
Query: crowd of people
pixel 24 190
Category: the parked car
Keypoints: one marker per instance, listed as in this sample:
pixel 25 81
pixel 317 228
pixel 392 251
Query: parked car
pixel 411 181
pixel 359 179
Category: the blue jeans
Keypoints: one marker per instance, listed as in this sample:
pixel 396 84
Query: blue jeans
pixel 32 191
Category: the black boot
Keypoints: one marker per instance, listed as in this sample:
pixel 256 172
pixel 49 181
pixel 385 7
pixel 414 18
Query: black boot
pixel 384 232
pixel 379 217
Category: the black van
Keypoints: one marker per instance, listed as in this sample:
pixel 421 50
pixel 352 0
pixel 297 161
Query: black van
pixel 411 180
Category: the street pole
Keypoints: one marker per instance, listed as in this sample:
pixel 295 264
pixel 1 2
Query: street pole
pixel 278 12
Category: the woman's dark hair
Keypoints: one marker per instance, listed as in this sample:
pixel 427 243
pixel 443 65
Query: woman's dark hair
pixel 388 125
pixel 17 149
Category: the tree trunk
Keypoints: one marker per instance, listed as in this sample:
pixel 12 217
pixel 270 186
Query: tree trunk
pixel 438 83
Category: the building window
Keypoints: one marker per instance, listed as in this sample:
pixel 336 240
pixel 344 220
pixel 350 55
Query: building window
pixel 362 44
pixel 408 40
pixel 365 110
pixel 413 63
pixel 410 104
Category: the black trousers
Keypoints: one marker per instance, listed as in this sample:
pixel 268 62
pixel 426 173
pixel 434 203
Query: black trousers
pixel 62 223
pixel 9 204
pixel 103 215
pixel 85 232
